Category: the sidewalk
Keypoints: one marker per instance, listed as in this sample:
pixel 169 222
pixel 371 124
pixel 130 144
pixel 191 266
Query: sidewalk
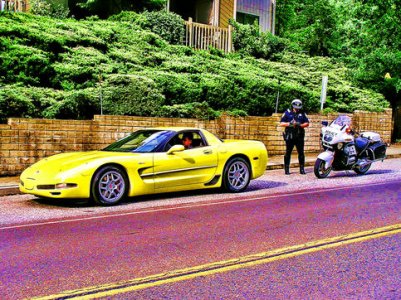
pixel 9 185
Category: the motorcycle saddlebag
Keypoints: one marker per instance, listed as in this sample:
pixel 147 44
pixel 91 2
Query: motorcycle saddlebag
pixel 377 150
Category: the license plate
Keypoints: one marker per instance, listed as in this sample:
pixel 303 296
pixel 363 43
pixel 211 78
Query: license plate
pixel 352 150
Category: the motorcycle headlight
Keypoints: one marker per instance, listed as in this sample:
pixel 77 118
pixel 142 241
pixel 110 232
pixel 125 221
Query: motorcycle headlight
pixel 340 146
pixel 328 138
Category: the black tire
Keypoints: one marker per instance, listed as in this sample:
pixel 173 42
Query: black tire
pixel 319 169
pixel 109 186
pixel 236 175
pixel 363 170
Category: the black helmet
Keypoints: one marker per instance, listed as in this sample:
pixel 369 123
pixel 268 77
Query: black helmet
pixel 296 103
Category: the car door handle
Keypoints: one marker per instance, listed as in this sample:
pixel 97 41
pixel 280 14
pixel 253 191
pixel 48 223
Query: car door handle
pixel 209 151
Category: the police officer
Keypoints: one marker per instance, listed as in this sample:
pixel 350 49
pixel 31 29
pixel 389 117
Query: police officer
pixel 294 120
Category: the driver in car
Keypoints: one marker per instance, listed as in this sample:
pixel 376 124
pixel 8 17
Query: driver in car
pixel 187 139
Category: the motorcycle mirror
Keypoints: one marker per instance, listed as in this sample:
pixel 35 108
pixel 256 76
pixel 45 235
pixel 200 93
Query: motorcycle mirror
pixel 325 123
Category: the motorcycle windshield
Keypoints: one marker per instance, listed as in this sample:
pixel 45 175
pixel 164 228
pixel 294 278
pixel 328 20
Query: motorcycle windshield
pixel 341 121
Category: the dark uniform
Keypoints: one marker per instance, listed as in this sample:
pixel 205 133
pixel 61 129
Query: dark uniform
pixel 294 135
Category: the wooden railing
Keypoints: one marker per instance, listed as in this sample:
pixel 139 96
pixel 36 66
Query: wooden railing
pixel 13 5
pixel 202 36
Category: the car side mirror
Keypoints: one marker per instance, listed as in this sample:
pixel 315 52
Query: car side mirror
pixel 325 123
pixel 176 148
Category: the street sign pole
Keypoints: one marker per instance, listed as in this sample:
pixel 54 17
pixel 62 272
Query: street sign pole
pixel 325 79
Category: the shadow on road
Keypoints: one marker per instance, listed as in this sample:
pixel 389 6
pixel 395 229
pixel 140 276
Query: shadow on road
pixel 335 174
pixel 257 185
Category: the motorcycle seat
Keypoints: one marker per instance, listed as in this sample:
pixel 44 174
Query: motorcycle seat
pixel 361 144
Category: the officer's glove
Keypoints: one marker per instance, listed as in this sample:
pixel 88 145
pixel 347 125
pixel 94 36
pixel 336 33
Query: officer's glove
pixel 294 123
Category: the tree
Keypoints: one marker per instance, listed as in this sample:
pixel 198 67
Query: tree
pixel 106 8
pixel 310 23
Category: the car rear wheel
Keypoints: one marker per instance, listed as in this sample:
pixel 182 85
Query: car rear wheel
pixel 109 185
pixel 362 170
pixel 236 175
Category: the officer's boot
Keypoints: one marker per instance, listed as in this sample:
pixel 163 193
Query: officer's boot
pixel 287 169
pixel 302 169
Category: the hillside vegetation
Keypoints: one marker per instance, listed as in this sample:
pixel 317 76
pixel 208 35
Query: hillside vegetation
pixel 66 68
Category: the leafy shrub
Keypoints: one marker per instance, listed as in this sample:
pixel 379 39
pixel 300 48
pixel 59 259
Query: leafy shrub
pixel 81 68
pixel 167 25
pixel 128 16
pixel 177 88
pixel 196 110
pixel 58 65
pixel 131 95
pixel 14 104
pixel 249 40
pixel 25 64
pixel 48 8
pixel 80 104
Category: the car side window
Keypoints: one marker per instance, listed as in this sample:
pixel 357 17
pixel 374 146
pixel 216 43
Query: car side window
pixel 189 139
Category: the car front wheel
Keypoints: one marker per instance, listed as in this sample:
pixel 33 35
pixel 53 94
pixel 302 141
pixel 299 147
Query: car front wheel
pixel 236 175
pixel 109 185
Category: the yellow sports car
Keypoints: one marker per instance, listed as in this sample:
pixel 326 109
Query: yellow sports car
pixel 148 161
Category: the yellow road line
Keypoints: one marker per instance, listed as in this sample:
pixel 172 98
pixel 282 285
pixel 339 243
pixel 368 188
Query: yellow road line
pixel 108 290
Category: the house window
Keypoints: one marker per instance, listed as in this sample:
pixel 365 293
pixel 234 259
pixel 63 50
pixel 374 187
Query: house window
pixel 244 18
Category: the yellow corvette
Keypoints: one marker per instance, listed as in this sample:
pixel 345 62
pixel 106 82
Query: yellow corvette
pixel 148 161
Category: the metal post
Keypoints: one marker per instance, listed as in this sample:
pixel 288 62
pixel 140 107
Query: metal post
pixel 324 91
pixel 278 95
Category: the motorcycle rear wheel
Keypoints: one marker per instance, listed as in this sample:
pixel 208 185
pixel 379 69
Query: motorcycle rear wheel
pixel 363 170
pixel 320 170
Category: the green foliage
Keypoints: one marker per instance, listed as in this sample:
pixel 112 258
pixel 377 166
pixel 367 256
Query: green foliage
pixel 196 110
pixel 13 104
pixel 249 40
pixel 311 24
pixel 131 95
pixel 167 25
pixel 364 34
pixel 49 9
pixel 81 104
pixel 71 69
pixel 106 8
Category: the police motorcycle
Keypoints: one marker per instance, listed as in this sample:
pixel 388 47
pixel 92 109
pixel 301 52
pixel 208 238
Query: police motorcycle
pixel 344 151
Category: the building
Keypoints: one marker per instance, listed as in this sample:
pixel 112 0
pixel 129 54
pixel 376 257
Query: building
pixel 219 12
pixel 14 5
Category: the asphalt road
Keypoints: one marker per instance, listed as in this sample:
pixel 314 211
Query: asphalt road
pixel 274 241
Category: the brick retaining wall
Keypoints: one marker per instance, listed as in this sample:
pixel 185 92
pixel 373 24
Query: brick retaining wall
pixel 25 141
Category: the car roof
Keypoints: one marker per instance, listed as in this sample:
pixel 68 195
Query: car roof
pixel 176 129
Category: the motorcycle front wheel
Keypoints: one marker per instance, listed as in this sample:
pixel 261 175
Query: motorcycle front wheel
pixel 320 169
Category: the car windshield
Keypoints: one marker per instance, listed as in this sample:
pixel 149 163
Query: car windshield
pixel 142 141
pixel 342 120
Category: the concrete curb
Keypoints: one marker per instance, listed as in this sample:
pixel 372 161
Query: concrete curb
pixel 9 190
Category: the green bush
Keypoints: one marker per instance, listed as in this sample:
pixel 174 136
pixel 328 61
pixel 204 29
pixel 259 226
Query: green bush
pixel 167 25
pixel 52 67
pixel 48 8
pixel 25 64
pixel 80 104
pixel 196 110
pixel 249 40
pixel 14 104
pixel 131 95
